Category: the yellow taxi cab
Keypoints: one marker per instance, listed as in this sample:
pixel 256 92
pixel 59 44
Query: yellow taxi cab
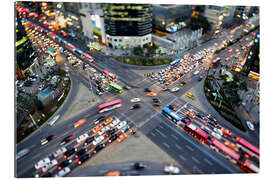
pixel 97 128
pixel 151 94
pixel 191 96
pixel 108 121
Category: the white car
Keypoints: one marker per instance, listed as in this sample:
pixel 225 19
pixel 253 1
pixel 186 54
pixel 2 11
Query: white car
pixel 103 130
pixel 250 126
pixel 219 131
pixel 115 122
pixel 49 165
pixel 22 153
pixel 42 163
pixel 216 135
pixel 135 100
pixel 51 122
pixel 170 169
pixel 60 151
pixel 98 140
pixel 174 89
pixel 63 172
pixel 196 72
pixel 82 137
pixel 121 124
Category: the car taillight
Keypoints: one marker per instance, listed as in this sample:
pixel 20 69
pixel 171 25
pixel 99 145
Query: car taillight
pixel 85 144
pixel 59 167
pixel 79 162
pixel 65 156
pixel 76 156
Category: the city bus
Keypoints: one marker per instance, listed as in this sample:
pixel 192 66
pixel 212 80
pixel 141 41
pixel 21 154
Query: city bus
pixel 175 62
pixel 249 167
pixel 79 52
pixel 247 145
pixel 109 106
pixel 171 115
pixel 90 58
pixel 229 154
pixel 196 132
pixel 116 88
pixel 109 74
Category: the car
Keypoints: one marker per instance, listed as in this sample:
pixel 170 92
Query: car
pixel 22 153
pixel 216 135
pixel 113 138
pixel 108 121
pixel 122 137
pixel 42 162
pixel 231 145
pixel 165 89
pixel 55 118
pixel 191 114
pixel 219 131
pixel 103 130
pixel 170 169
pixel 135 106
pixel 83 158
pixel 127 87
pixel 89 140
pixel 59 152
pixel 97 128
pixel 250 126
pixel 156 105
pixel 48 174
pixel 98 148
pixel 212 123
pixel 186 120
pixel 113 173
pixel 147 90
pixel 139 165
pixel 182 83
pixel 81 152
pixel 200 78
pixel 156 100
pixel 172 107
pixel 69 153
pixel 67 139
pixel 100 119
pixel 115 122
pixel 82 137
pixel 49 165
pixel 79 123
pixel 121 124
pixel 227 131
pixel 191 96
pixel 99 92
pixel 98 140
pixel 47 139
pixel 211 118
pixel 135 100
pixel 151 94
pixel 175 89
pixel 63 172
pixel 227 58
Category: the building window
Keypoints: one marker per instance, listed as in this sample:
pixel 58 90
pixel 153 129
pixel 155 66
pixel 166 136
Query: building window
pixel 120 40
pixel 115 40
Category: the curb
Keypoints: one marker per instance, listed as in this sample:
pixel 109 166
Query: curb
pixel 71 87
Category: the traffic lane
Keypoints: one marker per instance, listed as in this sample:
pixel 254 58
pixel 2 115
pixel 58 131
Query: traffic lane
pixel 126 169
pixel 191 144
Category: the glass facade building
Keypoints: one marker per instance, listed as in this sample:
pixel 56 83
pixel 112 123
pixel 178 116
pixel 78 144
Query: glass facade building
pixel 123 22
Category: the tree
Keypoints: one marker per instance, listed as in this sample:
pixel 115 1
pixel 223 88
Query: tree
pixel 199 22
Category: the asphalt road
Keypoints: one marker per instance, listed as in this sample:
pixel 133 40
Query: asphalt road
pixel 197 157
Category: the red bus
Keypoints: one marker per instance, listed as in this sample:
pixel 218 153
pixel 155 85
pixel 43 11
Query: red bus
pixel 109 106
pixel 109 74
pixel 91 59
pixel 247 145
pixel 196 132
pixel 229 154
pixel 248 167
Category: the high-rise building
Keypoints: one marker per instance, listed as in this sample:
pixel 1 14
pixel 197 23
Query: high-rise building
pixel 25 55
pixel 217 15
pixel 171 17
pixel 127 25
pixel 252 64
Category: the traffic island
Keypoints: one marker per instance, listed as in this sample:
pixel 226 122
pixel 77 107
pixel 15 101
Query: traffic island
pixel 221 103
pixel 41 114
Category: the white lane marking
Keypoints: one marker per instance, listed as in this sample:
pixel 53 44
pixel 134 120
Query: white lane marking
pixel 167 145
pixel 102 171
pixel 195 159
pixel 182 157
pixel 176 138
pixel 178 147
pixel 161 127
pixel 208 162
pixel 153 134
pixel 196 168
pixel 190 148
pixel 161 133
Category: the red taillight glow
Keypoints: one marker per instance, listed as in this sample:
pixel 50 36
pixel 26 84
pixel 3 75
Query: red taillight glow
pixel 65 156
pixel 79 162
pixel 53 137
pixel 76 156
pixel 85 144
pixel 59 167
